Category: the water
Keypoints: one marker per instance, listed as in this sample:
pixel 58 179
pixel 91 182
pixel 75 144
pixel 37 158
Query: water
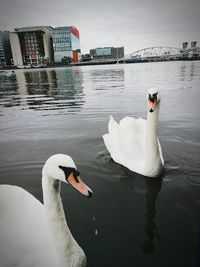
pixel 131 220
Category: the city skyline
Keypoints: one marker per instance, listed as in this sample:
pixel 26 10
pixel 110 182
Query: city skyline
pixel 132 24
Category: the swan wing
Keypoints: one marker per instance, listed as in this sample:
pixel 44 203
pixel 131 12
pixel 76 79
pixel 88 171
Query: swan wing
pixel 24 237
pixel 132 135
pixel 160 152
pixel 125 141
pixel 111 139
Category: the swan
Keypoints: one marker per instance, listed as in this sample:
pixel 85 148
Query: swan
pixel 134 144
pixel 37 235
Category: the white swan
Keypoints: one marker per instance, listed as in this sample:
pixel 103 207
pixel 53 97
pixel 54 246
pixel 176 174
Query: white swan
pixel 134 144
pixel 37 235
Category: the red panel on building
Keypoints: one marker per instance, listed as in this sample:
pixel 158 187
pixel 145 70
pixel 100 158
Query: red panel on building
pixel 75 56
pixel 75 31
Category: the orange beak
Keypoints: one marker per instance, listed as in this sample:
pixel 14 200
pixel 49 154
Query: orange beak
pixel 80 185
pixel 152 105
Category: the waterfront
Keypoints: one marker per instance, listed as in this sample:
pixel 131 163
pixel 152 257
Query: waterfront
pixel 66 110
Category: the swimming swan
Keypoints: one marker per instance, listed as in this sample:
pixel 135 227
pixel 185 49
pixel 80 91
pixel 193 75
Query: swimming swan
pixel 134 144
pixel 37 235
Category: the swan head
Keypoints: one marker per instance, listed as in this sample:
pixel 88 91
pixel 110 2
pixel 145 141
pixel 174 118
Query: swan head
pixel 62 167
pixel 153 99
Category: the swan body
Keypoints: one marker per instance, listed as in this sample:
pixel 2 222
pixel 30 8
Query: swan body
pixel 35 234
pixel 134 144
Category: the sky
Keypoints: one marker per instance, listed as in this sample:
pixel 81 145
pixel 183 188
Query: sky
pixel 134 24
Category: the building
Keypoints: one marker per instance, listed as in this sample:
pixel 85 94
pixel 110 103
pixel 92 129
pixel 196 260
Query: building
pixel 5 49
pixel 191 51
pixel 107 53
pixel 85 57
pixel 32 45
pixel 66 44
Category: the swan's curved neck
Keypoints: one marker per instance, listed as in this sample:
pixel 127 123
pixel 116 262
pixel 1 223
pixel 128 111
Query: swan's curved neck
pixel 151 134
pixel 65 245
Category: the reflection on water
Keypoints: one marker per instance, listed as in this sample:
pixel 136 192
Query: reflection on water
pixel 113 77
pixel 187 73
pixel 109 74
pixel 153 187
pixel 150 189
pixel 198 247
pixel 45 90
pixel 121 221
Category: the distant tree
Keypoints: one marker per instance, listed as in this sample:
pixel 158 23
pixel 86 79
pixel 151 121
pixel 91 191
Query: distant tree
pixel 66 60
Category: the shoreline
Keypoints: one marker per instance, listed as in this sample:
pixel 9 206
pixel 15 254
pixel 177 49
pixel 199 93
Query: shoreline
pixel 91 63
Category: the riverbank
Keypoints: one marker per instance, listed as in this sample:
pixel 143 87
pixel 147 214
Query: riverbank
pixel 101 62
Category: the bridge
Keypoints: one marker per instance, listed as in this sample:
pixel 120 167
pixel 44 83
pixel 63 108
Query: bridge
pixel 158 52
pixel 150 54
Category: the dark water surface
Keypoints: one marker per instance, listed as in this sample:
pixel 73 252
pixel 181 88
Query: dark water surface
pixel 131 220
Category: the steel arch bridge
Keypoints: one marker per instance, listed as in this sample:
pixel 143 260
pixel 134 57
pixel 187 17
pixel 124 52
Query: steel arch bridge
pixel 155 52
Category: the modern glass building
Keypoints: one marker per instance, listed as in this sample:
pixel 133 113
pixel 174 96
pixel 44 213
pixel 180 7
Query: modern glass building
pixel 66 44
pixel 5 49
pixel 107 52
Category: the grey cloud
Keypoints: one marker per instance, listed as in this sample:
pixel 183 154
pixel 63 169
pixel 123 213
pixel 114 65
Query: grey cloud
pixel 132 23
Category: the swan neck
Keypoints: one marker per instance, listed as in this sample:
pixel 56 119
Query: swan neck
pixel 153 162
pixel 62 238
pixel 151 135
pixel 152 119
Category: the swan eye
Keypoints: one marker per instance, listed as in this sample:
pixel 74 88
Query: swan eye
pixel 76 173
pixel 68 171
pixel 153 97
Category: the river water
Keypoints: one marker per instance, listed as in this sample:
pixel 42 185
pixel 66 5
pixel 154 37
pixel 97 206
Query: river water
pixel 130 220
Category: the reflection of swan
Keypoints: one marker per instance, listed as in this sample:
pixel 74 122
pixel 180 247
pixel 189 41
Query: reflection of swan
pixel 32 234
pixel 153 187
pixel 134 143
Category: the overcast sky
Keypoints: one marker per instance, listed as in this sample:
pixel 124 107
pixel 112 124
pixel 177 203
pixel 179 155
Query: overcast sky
pixel 134 24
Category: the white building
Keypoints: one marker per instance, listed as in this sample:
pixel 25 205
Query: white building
pixel 32 45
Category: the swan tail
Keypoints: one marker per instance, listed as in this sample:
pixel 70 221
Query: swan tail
pixel 111 138
pixel 112 126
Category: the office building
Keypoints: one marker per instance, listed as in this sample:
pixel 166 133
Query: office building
pixel 66 44
pixel 32 45
pixel 5 49
pixel 107 53
pixel 85 57
pixel 191 51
